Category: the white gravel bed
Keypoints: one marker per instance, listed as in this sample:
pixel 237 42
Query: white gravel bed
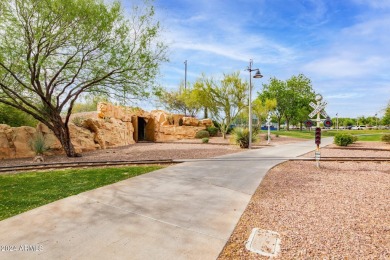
pixel 340 211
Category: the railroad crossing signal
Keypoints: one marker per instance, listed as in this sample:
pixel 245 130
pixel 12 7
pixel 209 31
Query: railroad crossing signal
pixel 319 108
pixel 328 122
pixel 309 123
pixel 318 136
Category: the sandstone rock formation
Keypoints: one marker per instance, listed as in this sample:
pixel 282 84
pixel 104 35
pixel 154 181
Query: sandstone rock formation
pixel 15 141
pixel 111 126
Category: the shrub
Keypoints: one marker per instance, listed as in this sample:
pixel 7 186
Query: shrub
pixel 202 134
pixel 205 140
pixel 386 138
pixel 213 131
pixel 78 121
pixel 38 143
pixel 344 139
pixel 14 117
pixel 240 136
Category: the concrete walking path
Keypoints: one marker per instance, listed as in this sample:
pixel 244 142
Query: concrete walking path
pixel 187 211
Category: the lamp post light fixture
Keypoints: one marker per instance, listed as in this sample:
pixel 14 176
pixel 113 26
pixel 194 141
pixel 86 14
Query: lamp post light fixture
pixel 256 76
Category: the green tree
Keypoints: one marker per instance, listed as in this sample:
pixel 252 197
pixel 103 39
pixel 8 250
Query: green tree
pixel 183 101
pixel 14 117
pixel 261 108
pixel 386 117
pixel 54 51
pixel 89 103
pixel 224 99
pixel 293 97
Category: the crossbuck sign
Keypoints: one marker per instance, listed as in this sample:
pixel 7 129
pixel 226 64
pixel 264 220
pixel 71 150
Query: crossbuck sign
pixel 319 108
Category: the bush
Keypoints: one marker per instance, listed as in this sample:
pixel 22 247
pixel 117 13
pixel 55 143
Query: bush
pixel 386 138
pixel 38 144
pixel 240 136
pixel 205 140
pixel 213 131
pixel 14 117
pixel 344 139
pixel 202 134
pixel 78 121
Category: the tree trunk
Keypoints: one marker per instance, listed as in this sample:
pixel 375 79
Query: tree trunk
pixel 61 131
pixel 206 114
pixel 287 124
pixel 279 119
pixel 300 126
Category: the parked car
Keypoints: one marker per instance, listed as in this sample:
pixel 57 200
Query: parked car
pixel 358 127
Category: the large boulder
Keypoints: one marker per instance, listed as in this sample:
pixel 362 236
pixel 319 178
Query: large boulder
pixel 206 122
pixel 190 121
pixel 15 141
pixel 22 137
pixel 7 150
pixel 172 132
pixel 110 132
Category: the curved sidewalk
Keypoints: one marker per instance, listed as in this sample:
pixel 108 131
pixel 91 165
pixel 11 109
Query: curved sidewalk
pixel 187 211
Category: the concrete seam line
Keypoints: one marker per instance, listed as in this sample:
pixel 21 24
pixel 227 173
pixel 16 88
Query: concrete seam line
pixel 219 186
pixel 154 219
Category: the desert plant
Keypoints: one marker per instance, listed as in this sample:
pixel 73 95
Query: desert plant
pixel 202 134
pixel 240 136
pixel 213 131
pixel 386 138
pixel 38 143
pixel 205 140
pixel 78 121
pixel 344 139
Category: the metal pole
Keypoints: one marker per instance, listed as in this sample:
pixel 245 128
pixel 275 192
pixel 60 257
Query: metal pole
pixel 250 105
pixel 185 74
pixel 376 119
pixel 269 126
pixel 318 125
pixel 185 83
pixel 337 121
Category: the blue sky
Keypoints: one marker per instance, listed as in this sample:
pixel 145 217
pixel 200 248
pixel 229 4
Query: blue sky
pixel 343 46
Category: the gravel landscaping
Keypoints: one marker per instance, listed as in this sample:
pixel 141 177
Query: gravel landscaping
pixel 182 149
pixel 340 211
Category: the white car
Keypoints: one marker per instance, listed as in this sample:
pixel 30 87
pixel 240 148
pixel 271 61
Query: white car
pixel 358 127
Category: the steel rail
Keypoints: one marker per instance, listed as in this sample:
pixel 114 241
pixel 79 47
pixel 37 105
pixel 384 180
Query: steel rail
pixel 63 165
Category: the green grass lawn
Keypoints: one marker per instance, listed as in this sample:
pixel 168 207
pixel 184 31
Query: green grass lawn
pixel 363 135
pixel 24 191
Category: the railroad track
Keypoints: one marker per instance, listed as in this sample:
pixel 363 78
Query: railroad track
pixel 63 165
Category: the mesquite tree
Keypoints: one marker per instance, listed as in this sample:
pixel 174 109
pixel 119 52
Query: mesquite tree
pixel 54 51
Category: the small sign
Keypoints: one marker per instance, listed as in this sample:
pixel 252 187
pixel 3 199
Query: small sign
pixel 318 155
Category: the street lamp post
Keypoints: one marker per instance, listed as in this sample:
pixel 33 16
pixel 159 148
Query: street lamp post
pixel 337 121
pixel 376 119
pixel 256 76
pixel 185 83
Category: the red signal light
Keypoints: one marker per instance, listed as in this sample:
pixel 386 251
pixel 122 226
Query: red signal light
pixel 308 123
pixel 328 122
pixel 317 137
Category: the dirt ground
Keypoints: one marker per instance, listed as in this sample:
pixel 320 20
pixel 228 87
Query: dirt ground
pixel 182 149
pixel 340 211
